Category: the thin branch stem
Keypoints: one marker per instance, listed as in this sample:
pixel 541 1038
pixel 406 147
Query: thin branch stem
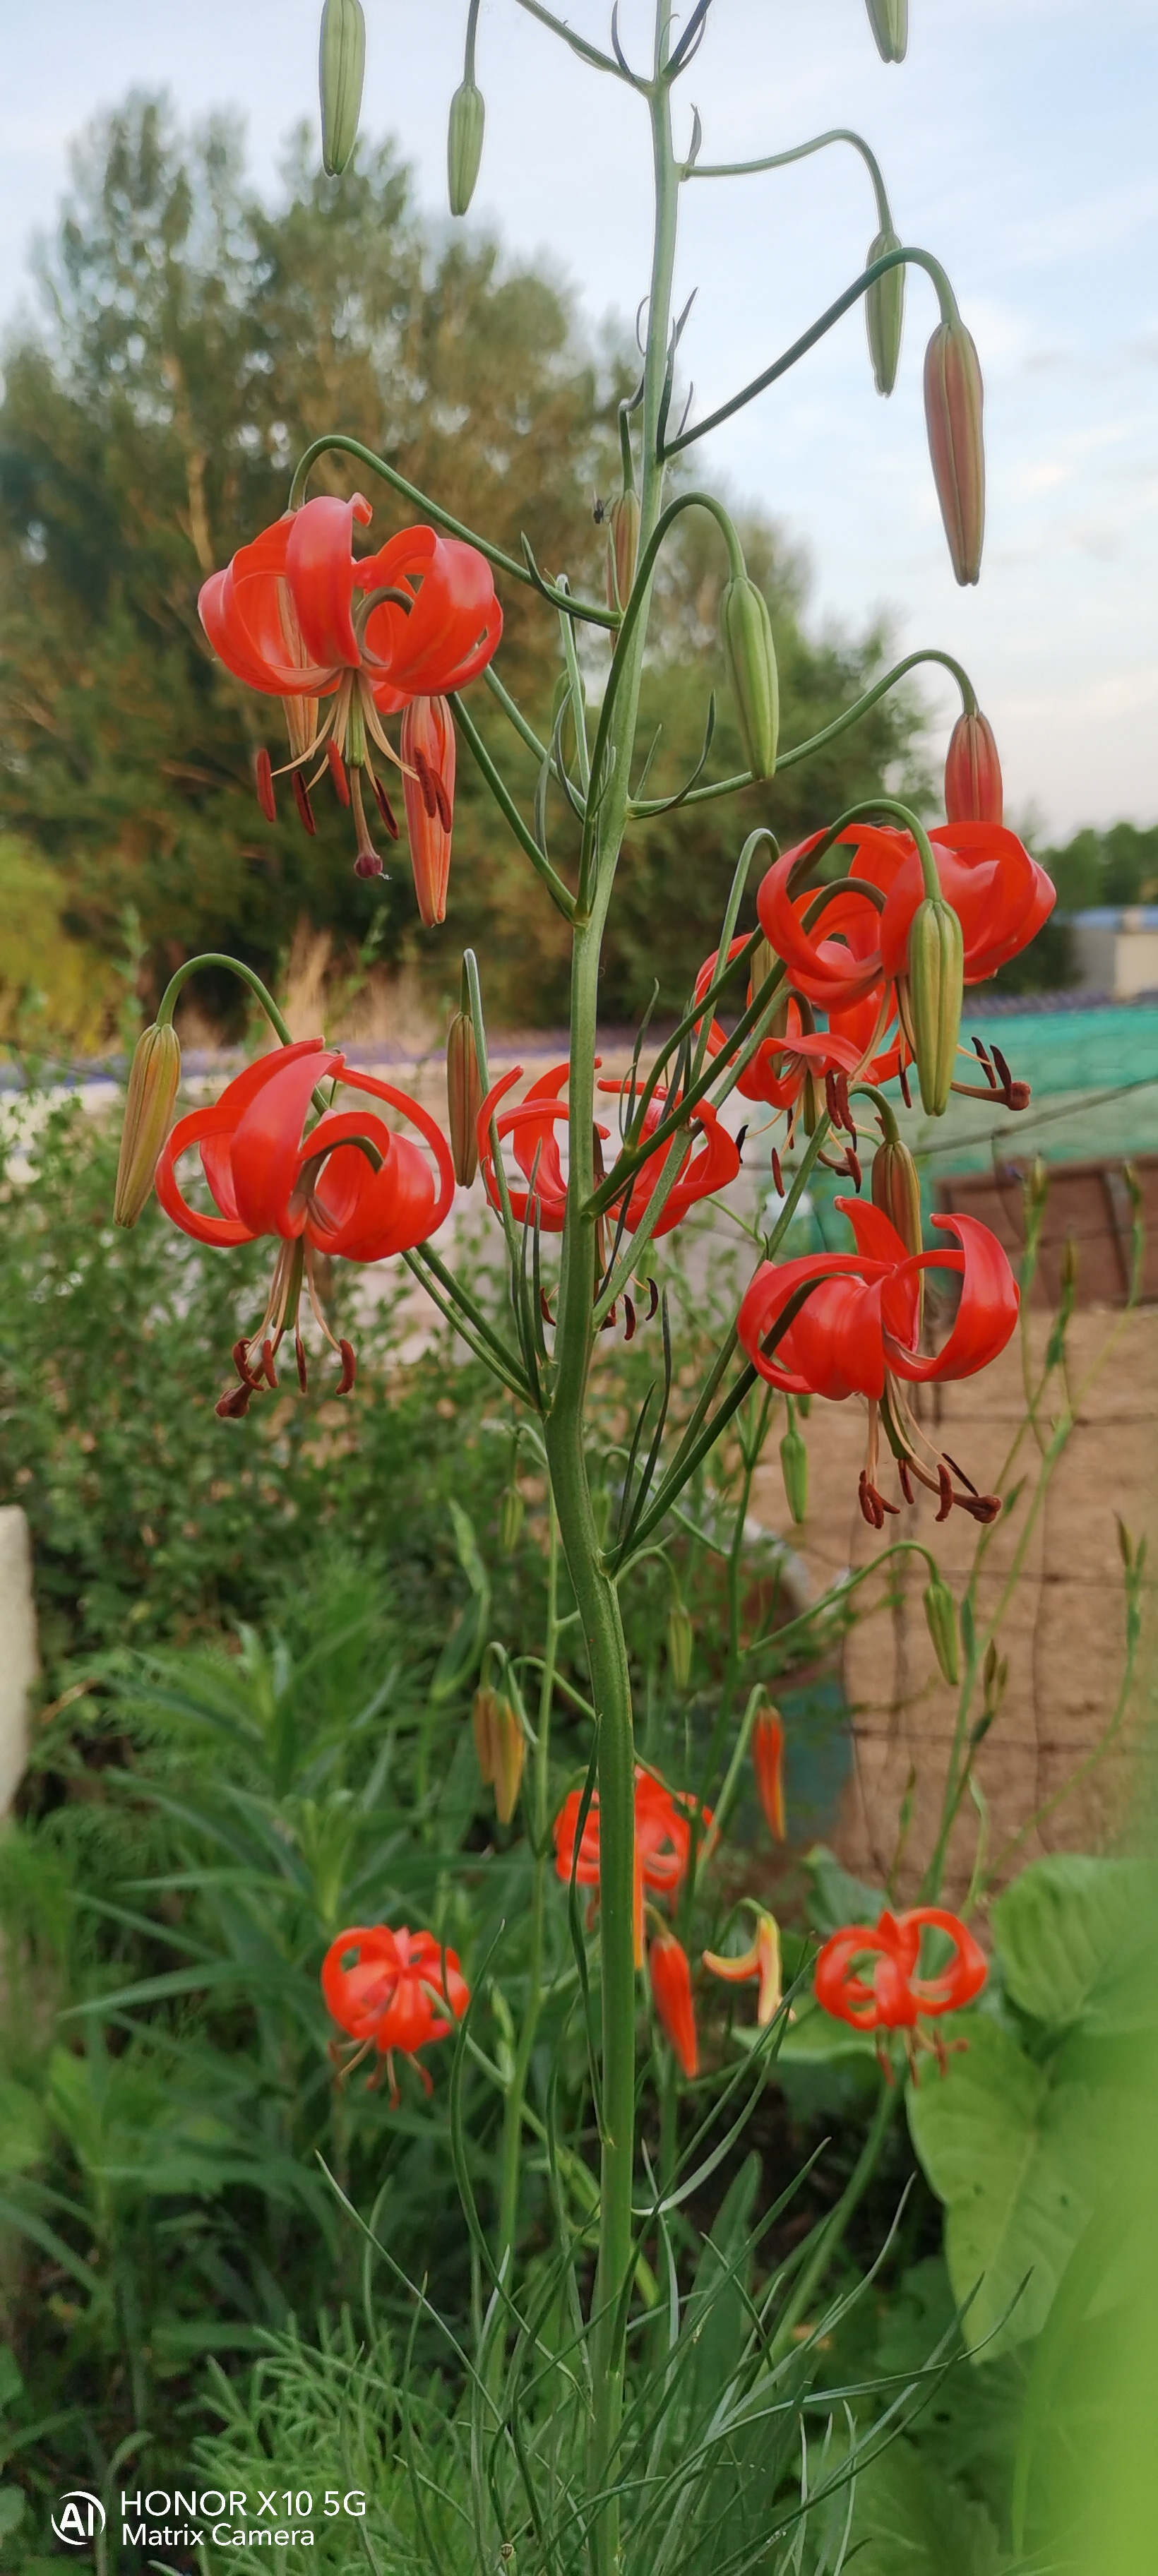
pixel 560 894
pixel 828 733
pixel 800 152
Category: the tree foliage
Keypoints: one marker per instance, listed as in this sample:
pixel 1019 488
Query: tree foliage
pixel 194 341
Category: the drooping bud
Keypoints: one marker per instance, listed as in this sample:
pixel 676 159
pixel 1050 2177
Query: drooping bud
pixel 884 312
pixel 935 984
pixel 622 547
pixel 463 1097
pixel 500 1746
pixel 954 401
pixel 973 787
pixel 941 1614
pixel 154 1080
pixel 750 658
pixel 680 1640
pixel 768 1765
pixel 341 68
pixel 763 963
pixel 512 1511
pixel 896 1189
pixel 794 1469
pixel 889 20
pixel 426 742
pixel 464 143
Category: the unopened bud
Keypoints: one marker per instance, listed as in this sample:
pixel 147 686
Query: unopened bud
pixel 341 67
pixel 764 963
pixel 884 312
pixel 973 788
pixel 511 1515
pixel 954 399
pixel 622 548
pixel 463 1097
pixel 935 982
pixel 680 1640
pixel 500 1746
pixel 464 143
pixel 896 1190
pixel 154 1080
pixel 794 1469
pixel 941 1615
pixel 889 20
pixel 750 658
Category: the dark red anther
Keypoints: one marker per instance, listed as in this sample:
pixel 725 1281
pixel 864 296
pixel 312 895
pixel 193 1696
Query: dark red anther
pixel 903 1079
pixel 979 1049
pixel 870 1502
pixel 263 781
pixel 349 1368
pixel 981 1507
pixel 832 1100
pixel 233 1403
pixel 740 1140
pixel 267 1367
pixel 442 799
pixel 777 1174
pixel 904 1479
pixel 545 1307
pixel 1018 1095
pixel 653 1307
pixel 945 1484
pixel 385 807
pixel 967 1481
pixel 368 864
pixel 426 783
pixel 608 1322
pixel 300 1357
pixel 338 773
pixel 240 1357
pixel 302 801
pixel 629 1312
pixel 852 1158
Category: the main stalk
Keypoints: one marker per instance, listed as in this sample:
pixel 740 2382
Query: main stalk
pixel 595 1593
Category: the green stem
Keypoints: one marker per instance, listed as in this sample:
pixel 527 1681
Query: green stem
pixel 832 2232
pixel 540 1820
pixel 828 733
pixel 214 957
pixel 560 894
pixel 801 152
pixel 808 339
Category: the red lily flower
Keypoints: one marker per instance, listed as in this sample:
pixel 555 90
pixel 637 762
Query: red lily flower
pixel 671 1985
pixel 768 1765
pixel 532 1127
pixel 349 1185
pixel 1000 894
pixel 428 757
pixel 893 1996
pixel 282 617
pixel 857 1333
pixel 663 1837
pixel 393 1990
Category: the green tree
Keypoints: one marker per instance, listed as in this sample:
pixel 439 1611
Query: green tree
pixel 194 341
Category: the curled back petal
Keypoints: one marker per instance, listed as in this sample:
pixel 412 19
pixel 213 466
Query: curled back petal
pixel 321 571
pixel 987 1313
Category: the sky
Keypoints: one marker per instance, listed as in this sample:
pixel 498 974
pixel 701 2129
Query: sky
pixel 1017 144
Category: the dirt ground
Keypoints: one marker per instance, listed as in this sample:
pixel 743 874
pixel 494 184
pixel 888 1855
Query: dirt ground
pixel 1062 1626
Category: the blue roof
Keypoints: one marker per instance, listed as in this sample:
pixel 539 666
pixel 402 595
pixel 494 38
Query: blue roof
pixel 1106 916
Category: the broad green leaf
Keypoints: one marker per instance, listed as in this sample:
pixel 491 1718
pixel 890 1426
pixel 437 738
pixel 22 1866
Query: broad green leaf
pixel 11 2509
pixel 1019 2163
pixel 1070 1933
pixel 835 1896
pixel 817 2036
pixel 907 2521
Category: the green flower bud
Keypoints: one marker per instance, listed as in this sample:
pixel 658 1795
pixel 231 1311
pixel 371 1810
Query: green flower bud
pixel 941 1614
pixel 463 1097
pixel 935 979
pixel 794 1469
pixel 511 1515
pixel 680 1640
pixel 622 548
pixel 464 143
pixel 341 66
pixel 750 657
pixel 954 400
pixel 889 20
pixel 501 1749
pixel 154 1080
pixel 896 1189
pixel 884 312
